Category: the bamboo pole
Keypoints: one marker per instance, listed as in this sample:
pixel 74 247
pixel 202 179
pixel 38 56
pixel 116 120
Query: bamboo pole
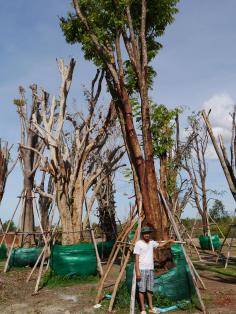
pixel 221 248
pixel 223 236
pixel 103 278
pixel 190 239
pixel 120 275
pixel 40 272
pixel 133 289
pixel 100 270
pixel 229 252
pixel 42 252
pixel 35 265
pixel 9 254
pixel 9 223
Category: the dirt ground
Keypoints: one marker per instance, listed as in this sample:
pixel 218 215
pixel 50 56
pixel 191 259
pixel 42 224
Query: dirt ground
pixel 16 296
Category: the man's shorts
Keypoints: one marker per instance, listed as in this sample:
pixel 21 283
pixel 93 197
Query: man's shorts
pixel 147 281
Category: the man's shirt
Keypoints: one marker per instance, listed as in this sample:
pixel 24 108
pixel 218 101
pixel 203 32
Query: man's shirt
pixel 145 252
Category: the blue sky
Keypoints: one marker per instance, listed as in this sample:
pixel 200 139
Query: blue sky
pixel 196 68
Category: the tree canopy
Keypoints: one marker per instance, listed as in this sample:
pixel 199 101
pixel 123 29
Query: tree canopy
pixel 107 18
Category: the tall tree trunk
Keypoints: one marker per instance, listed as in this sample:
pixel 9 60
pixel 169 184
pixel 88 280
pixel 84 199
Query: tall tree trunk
pixel 45 202
pixel 66 220
pixel 106 209
pixel 144 169
pixel 27 221
pixel 163 187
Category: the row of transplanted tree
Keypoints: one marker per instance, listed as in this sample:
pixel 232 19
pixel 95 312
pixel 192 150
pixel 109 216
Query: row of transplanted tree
pixel 77 153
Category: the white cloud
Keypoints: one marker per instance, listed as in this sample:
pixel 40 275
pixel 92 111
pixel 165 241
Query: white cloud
pixel 221 105
pixel 210 152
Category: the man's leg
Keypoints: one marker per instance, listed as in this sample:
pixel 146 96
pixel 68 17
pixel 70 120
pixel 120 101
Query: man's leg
pixel 142 286
pixel 149 297
pixel 141 300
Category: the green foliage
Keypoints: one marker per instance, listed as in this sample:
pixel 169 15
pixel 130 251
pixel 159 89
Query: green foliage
pixel 106 18
pixel 12 226
pixel 217 210
pixel 19 102
pixel 127 173
pixel 223 224
pixel 163 128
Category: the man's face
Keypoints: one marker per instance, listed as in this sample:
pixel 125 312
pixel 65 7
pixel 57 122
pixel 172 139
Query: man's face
pixel 146 237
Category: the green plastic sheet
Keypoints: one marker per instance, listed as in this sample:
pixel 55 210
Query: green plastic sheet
pixel 104 248
pixel 21 257
pixel 3 252
pixel 74 260
pixel 176 284
pixel 205 242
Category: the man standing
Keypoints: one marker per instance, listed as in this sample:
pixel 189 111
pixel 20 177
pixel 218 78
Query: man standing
pixel 144 266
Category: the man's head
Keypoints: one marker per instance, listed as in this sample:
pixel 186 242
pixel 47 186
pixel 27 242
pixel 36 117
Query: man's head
pixel 146 233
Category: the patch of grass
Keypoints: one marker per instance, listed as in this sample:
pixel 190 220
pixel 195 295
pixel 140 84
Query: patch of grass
pixel 122 302
pixel 219 269
pixel 51 280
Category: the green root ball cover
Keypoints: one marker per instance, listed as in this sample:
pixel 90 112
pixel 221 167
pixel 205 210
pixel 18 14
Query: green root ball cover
pixel 205 242
pixel 21 257
pixel 105 248
pixel 176 284
pixel 3 252
pixel 73 260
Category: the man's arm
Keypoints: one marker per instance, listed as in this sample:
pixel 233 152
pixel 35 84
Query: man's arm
pixel 164 243
pixel 137 270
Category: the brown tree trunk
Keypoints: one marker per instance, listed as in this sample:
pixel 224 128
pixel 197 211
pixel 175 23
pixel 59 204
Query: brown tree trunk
pixel 27 222
pixel 65 214
pixel 45 202
pixel 106 209
pixel 163 187
pixel 145 169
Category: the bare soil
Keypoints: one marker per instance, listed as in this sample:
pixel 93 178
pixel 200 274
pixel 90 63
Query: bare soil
pixel 16 296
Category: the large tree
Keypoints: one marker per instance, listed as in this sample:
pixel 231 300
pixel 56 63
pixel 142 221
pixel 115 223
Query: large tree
pixel 31 146
pixel 73 158
pixel 121 37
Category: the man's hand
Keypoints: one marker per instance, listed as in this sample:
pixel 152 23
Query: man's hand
pixel 138 276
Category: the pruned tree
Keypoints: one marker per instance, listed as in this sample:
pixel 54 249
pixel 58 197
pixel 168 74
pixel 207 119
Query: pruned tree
pixel 30 148
pixel 196 167
pixel 72 162
pixel 4 162
pixel 102 28
pixel 228 164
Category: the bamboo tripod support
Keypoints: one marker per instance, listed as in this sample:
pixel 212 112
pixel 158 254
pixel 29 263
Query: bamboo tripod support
pixel 121 273
pixel 100 270
pixel 12 217
pixel 191 267
pixel 112 259
pixel 191 242
pixel 225 240
pixel 14 239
